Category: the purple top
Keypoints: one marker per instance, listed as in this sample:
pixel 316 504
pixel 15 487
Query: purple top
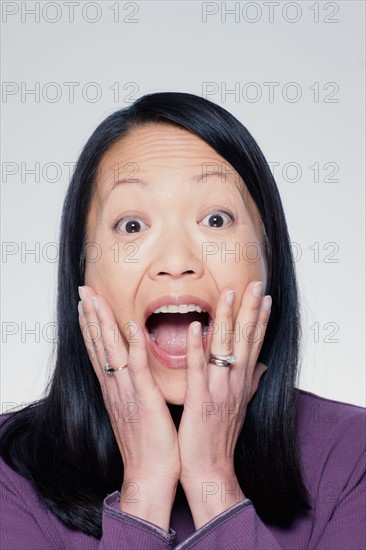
pixel 332 440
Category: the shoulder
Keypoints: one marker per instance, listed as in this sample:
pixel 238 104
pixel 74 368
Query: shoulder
pixel 331 439
pixel 7 423
pixel 17 418
pixel 25 413
pixel 6 419
pixel 15 434
pixel 327 416
pixel 15 489
pixel 26 522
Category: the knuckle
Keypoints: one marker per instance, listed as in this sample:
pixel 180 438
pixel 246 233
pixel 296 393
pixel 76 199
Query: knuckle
pixel 91 333
pixel 110 352
pixel 201 363
pixel 196 359
pixel 259 346
pixel 133 361
pixel 91 352
pixel 256 306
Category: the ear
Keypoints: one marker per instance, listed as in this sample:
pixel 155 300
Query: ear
pixel 259 370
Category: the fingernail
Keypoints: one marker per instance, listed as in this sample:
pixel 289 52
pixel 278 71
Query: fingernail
pixel 95 302
pixel 82 293
pixel 258 290
pixel 197 328
pixel 80 308
pixel 267 303
pixel 230 297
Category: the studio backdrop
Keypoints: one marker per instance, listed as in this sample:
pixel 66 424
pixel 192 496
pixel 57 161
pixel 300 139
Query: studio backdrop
pixel 291 72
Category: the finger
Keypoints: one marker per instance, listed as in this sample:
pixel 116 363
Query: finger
pixel 86 292
pixel 137 376
pixel 111 403
pixel 222 339
pixel 93 337
pixel 114 351
pixel 196 362
pixel 262 323
pixel 139 370
pixel 246 328
pixel 90 348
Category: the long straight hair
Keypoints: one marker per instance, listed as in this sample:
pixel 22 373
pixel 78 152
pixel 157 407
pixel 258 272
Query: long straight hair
pixel 64 443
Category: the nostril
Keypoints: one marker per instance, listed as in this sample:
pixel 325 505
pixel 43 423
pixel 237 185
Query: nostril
pixel 188 272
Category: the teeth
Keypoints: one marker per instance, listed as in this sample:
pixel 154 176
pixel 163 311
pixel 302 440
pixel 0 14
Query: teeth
pixel 182 308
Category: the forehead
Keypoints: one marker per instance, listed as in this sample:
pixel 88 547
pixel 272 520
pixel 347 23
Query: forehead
pixel 153 142
pixel 163 147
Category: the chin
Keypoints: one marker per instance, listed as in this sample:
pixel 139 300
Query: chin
pixel 173 388
pixel 174 397
pixel 174 400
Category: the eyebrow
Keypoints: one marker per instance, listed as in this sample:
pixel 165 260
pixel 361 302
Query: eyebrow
pixel 197 178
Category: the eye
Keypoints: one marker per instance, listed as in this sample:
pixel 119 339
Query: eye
pixel 129 226
pixel 218 219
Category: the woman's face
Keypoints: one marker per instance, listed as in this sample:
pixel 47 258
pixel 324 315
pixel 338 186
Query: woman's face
pixel 170 226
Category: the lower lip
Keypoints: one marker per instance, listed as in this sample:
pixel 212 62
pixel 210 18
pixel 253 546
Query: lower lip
pixel 171 361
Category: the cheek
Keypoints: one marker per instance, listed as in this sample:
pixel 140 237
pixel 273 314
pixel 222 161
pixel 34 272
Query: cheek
pixel 107 270
pixel 108 279
pixel 115 273
pixel 236 263
pixel 100 271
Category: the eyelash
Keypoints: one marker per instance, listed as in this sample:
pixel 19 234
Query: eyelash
pixel 218 212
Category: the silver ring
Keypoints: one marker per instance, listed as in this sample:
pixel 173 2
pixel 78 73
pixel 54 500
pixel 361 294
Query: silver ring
pixel 110 370
pixel 223 360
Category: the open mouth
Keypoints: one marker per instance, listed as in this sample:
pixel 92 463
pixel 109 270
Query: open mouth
pixel 168 329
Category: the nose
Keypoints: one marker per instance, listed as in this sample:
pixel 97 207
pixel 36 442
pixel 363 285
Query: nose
pixel 176 257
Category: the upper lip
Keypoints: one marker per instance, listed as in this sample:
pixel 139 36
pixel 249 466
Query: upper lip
pixel 177 300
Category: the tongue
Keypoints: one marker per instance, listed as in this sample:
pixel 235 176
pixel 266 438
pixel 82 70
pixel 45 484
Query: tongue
pixel 170 331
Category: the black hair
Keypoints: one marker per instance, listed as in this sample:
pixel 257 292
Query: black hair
pixel 64 443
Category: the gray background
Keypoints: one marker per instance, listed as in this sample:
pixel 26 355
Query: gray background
pixel 311 127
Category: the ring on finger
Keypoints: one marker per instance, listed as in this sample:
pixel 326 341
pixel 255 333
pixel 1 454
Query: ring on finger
pixel 110 370
pixel 223 360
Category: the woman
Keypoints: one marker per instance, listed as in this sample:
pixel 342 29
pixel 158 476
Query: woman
pixel 172 419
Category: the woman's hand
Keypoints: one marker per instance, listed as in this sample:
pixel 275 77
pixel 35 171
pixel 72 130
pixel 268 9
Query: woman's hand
pixel 141 421
pixel 216 401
